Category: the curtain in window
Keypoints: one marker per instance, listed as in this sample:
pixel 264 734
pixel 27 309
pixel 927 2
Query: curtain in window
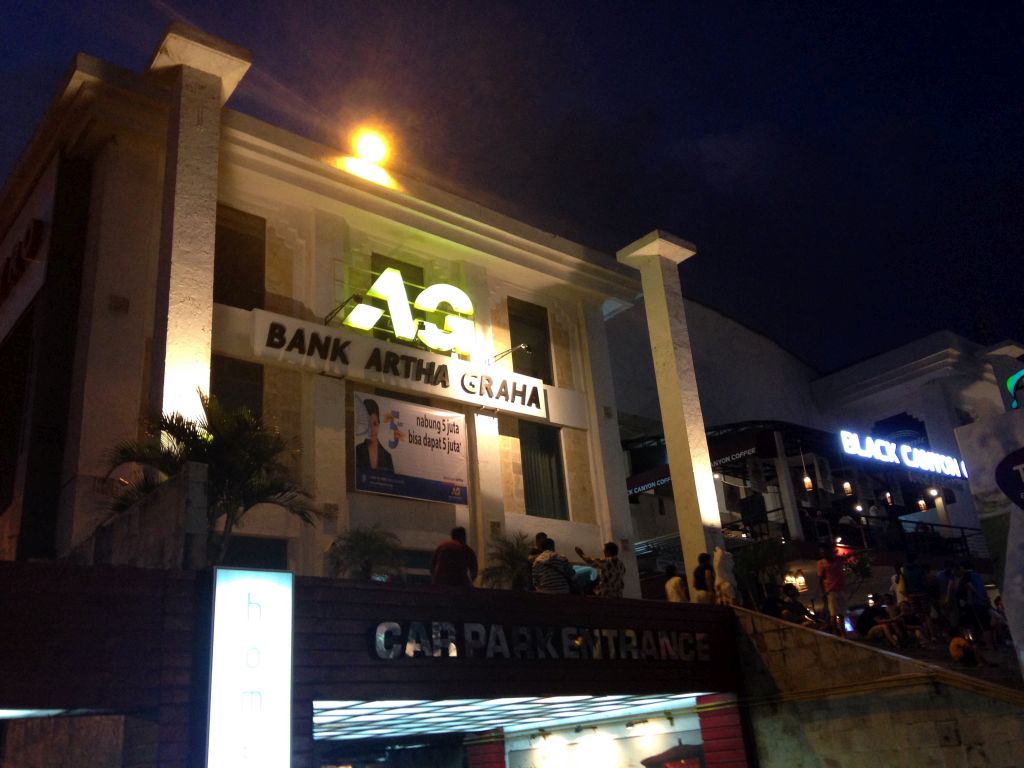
pixel 543 474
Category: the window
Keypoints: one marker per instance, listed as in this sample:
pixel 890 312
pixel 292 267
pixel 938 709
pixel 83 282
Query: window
pixel 540 445
pixel 540 449
pixel 237 384
pixel 528 324
pixel 239 264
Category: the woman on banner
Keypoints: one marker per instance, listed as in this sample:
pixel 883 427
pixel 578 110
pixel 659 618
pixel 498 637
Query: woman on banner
pixel 371 456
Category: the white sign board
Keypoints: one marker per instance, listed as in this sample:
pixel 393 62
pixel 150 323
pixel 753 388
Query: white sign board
pixel 339 352
pixel 404 449
pixel 251 670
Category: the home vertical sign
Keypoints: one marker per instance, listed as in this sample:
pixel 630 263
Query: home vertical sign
pixel 251 670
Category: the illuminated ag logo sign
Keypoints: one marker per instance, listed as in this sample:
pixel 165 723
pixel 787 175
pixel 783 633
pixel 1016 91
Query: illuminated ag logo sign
pixel 457 333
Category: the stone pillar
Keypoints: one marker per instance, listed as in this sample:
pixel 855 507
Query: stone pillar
pixel 203 71
pixel 657 256
pixel 485 515
pixel 785 478
pixel 608 462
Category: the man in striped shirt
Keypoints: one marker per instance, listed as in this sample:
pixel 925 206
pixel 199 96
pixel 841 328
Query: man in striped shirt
pixel 552 573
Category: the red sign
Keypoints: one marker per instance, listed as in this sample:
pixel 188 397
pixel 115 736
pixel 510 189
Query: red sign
pixel 12 269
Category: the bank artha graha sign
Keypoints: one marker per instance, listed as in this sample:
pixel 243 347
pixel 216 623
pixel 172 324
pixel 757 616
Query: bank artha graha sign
pixel 405 449
pixel 251 670
pixel 339 352
pixel 893 453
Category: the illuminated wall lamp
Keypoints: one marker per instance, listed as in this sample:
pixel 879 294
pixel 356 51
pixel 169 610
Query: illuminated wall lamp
pixel 933 492
pixel 888 498
pixel 847 488
pixel 808 483
pixel 922 505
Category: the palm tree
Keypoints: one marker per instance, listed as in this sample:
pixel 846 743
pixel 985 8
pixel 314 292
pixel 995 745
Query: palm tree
pixel 365 552
pixel 509 563
pixel 242 456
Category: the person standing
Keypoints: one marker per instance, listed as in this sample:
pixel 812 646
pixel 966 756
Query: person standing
pixel 675 587
pixel 704 580
pixel 611 572
pixel 552 572
pixel 833 584
pixel 538 545
pixel 454 563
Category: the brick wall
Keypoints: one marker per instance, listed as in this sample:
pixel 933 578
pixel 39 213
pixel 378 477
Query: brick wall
pixel 816 700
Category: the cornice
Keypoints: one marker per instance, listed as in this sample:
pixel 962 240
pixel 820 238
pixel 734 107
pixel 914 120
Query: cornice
pixel 298 162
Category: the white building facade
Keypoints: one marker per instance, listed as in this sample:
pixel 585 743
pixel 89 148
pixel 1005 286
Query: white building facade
pixel 178 246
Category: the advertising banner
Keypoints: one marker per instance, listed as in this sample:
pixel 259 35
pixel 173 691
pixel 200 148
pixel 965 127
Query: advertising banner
pixel 409 450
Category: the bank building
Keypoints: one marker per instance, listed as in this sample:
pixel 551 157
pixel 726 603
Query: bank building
pixel 432 364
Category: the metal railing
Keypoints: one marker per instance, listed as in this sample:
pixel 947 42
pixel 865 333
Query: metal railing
pixel 876 532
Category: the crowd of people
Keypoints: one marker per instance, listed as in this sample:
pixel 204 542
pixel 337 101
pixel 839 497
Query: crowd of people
pixel 922 606
pixel 455 565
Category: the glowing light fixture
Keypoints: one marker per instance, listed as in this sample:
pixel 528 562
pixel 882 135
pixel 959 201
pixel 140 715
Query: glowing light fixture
pixel 933 492
pixel 808 483
pixel 371 150
pixel 888 498
pixel 797 579
pixel 847 488
pixel 859 507
pixel 922 505
pixel 370 146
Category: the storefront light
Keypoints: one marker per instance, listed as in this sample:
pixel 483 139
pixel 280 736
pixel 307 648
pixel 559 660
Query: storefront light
pixel 797 579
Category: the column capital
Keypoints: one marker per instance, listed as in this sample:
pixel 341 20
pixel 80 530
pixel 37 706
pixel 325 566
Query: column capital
pixel 657 243
pixel 184 45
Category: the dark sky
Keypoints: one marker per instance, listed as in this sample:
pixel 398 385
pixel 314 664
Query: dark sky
pixel 852 173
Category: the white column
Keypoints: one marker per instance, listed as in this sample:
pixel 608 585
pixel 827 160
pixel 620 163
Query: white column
pixel 204 71
pixel 658 256
pixel 785 479
pixel 608 462
pixel 485 515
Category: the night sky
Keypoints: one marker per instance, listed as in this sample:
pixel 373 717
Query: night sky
pixel 852 174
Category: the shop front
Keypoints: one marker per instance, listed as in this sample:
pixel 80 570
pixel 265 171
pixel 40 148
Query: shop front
pixel 378 674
